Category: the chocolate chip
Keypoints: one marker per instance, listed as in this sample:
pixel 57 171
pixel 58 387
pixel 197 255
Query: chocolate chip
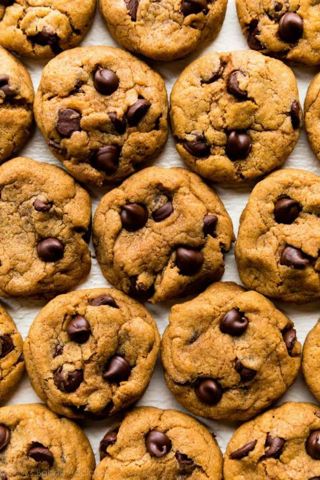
pixel 243 451
pixel 6 345
pixel 7 3
pixel 3 476
pixel 47 37
pixel 133 216
pixel 106 159
pixel 79 329
pixel 4 437
pixel 253 32
pixel 295 114
pixel 190 7
pixel 103 300
pixel 215 76
pixel 109 439
pixel 120 125
pixel 189 260
pixel 290 338
pixel 132 7
pixel 313 445
pixel 105 81
pixel 50 250
pixel 234 323
pixel 40 453
pixel 208 391
pixel 58 350
pixel 286 210
pixel 246 374
pixel 137 111
pixel 139 291
pixel 238 146
pixel 314 478
pixel 5 87
pixel 163 212
pixel 290 27
pixel 233 85
pixel 198 148
pixel 67 381
pixel 186 464
pixel 294 257
pixel 210 224
pixel 275 445
pixel 42 205
pixel 158 444
pixel 117 370
pixel 68 122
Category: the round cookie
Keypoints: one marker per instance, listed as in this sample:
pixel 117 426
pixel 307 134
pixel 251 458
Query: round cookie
pixel 284 28
pixel 36 444
pixel 91 353
pixel 165 30
pixel 153 444
pixel 312 114
pixel 235 116
pixel 102 111
pixel 283 443
pixel 44 225
pixel 16 101
pixel 310 360
pixel 41 29
pixel 11 357
pixel 161 234
pixel 279 237
pixel 229 353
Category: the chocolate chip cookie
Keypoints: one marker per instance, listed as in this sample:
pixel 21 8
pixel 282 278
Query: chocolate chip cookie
pixel 35 443
pixel 153 444
pixel 229 353
pixel 41 29
pixel 310 361
pixel 166 29
pixel 91 353
pixel 283 443
pixel 102 111
pixel 44 229
pixel 235 116
pixel 161 234
pixel 278 244
pixel 11 357
pixel 16 100
pixel 288 29
pixel 312 114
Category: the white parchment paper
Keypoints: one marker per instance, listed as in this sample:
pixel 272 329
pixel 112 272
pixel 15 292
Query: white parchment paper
pixel 305 317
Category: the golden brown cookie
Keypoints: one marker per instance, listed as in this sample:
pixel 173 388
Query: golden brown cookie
pixel 312 115
pixel 310 360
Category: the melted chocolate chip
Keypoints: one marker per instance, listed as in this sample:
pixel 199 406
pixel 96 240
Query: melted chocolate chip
pixel 5 435
pixel 215 76
pixel 189 260
pixel 109 439
pixel 120 125
pixel 313 445
pixel 234 323
pixel 42 205
pixel 3 476
pixel 68 122
pixel 67 381
pixel 7 3
pixel 50 250
pixel 199 147
pixel 6 345
pixel 190 7
pixel 117 370
pixel 132 7
pixel 290 338
pixel 239 145
pixel 233 86
pixel 295 114
pixel 210 224
pixel 40 453
pixel 208 391
pixel 186 464
pixel 253 32
pixel 286 210
pixel 79 329
pixel 137 111
pixel 246 374
pixel 158 444
pixel 275 446
pixel 5 87
pixel 139 291
pixel 163 212
pixel 47 37
pixel 106 159
pixel 105 81
pixel 290 27
pixel 103 300
pixel 133 216
pixel 295 258
pixel 58 350
pixel 243 451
